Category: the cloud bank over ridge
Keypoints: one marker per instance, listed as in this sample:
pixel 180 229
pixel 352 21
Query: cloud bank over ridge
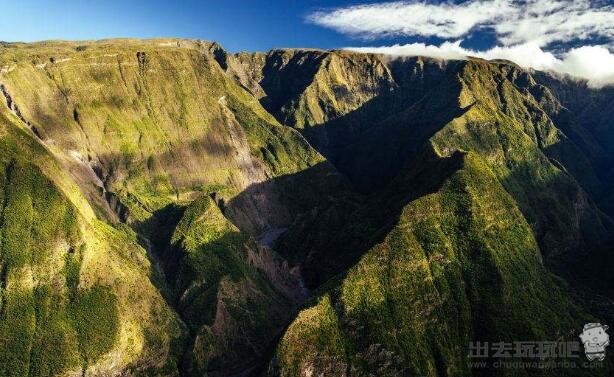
pixel 523 29
pixel 593 63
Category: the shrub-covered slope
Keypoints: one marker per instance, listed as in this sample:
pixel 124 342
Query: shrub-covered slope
pixel 167 206
pixel 460 265
pixel 496 110
pixel 155 135
pixel 234 294
pixel 541 178
pixel 155 120
pixel 77 294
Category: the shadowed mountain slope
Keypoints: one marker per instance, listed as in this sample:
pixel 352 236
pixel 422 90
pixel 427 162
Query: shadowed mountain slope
pixel 494 109
pixel 508 122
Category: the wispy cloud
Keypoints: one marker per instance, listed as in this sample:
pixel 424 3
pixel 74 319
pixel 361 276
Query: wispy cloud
pixel 406 19
pixel 546 21
pixel 593 63
pixel 513 21
pixel 524 30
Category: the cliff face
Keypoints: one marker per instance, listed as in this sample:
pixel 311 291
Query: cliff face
pixel 147 134
pixel 154 121
pixel 172 208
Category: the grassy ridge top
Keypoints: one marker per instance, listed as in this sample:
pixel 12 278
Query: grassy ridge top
pixel 155 120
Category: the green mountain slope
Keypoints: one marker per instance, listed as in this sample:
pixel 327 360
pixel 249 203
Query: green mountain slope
pixel 449 272
pixel 77 294
pixel 497 112
pixel 169 208
pixel 478 106
pixel 146 128
pixel 156 121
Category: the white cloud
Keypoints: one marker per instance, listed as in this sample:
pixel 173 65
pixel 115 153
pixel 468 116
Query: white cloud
pixel 544 22
pixel 593 63
pixel 523 28
pixel 402 18
pixel 514 21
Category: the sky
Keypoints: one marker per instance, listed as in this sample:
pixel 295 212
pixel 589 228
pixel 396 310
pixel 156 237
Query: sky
pixel 239 25
pixel 567 36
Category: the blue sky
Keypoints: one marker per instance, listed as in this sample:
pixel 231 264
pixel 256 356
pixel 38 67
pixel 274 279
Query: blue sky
pixel 574 37
pixel 236 24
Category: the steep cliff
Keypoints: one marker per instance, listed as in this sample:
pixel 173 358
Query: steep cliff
pixel 152 137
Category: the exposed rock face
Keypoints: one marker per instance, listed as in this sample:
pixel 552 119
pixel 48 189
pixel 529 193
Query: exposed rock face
pixel 190 201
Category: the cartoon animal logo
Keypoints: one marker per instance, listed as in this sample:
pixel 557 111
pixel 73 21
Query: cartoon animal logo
pixel 595 340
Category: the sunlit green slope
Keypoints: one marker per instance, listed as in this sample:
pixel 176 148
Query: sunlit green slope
pixel 77 293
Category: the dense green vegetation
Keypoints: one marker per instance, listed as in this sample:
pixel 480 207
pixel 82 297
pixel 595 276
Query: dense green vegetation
pixel 44 331
pixel 56 317
pixel 214 286
pixel 165 207
pixel 455 267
